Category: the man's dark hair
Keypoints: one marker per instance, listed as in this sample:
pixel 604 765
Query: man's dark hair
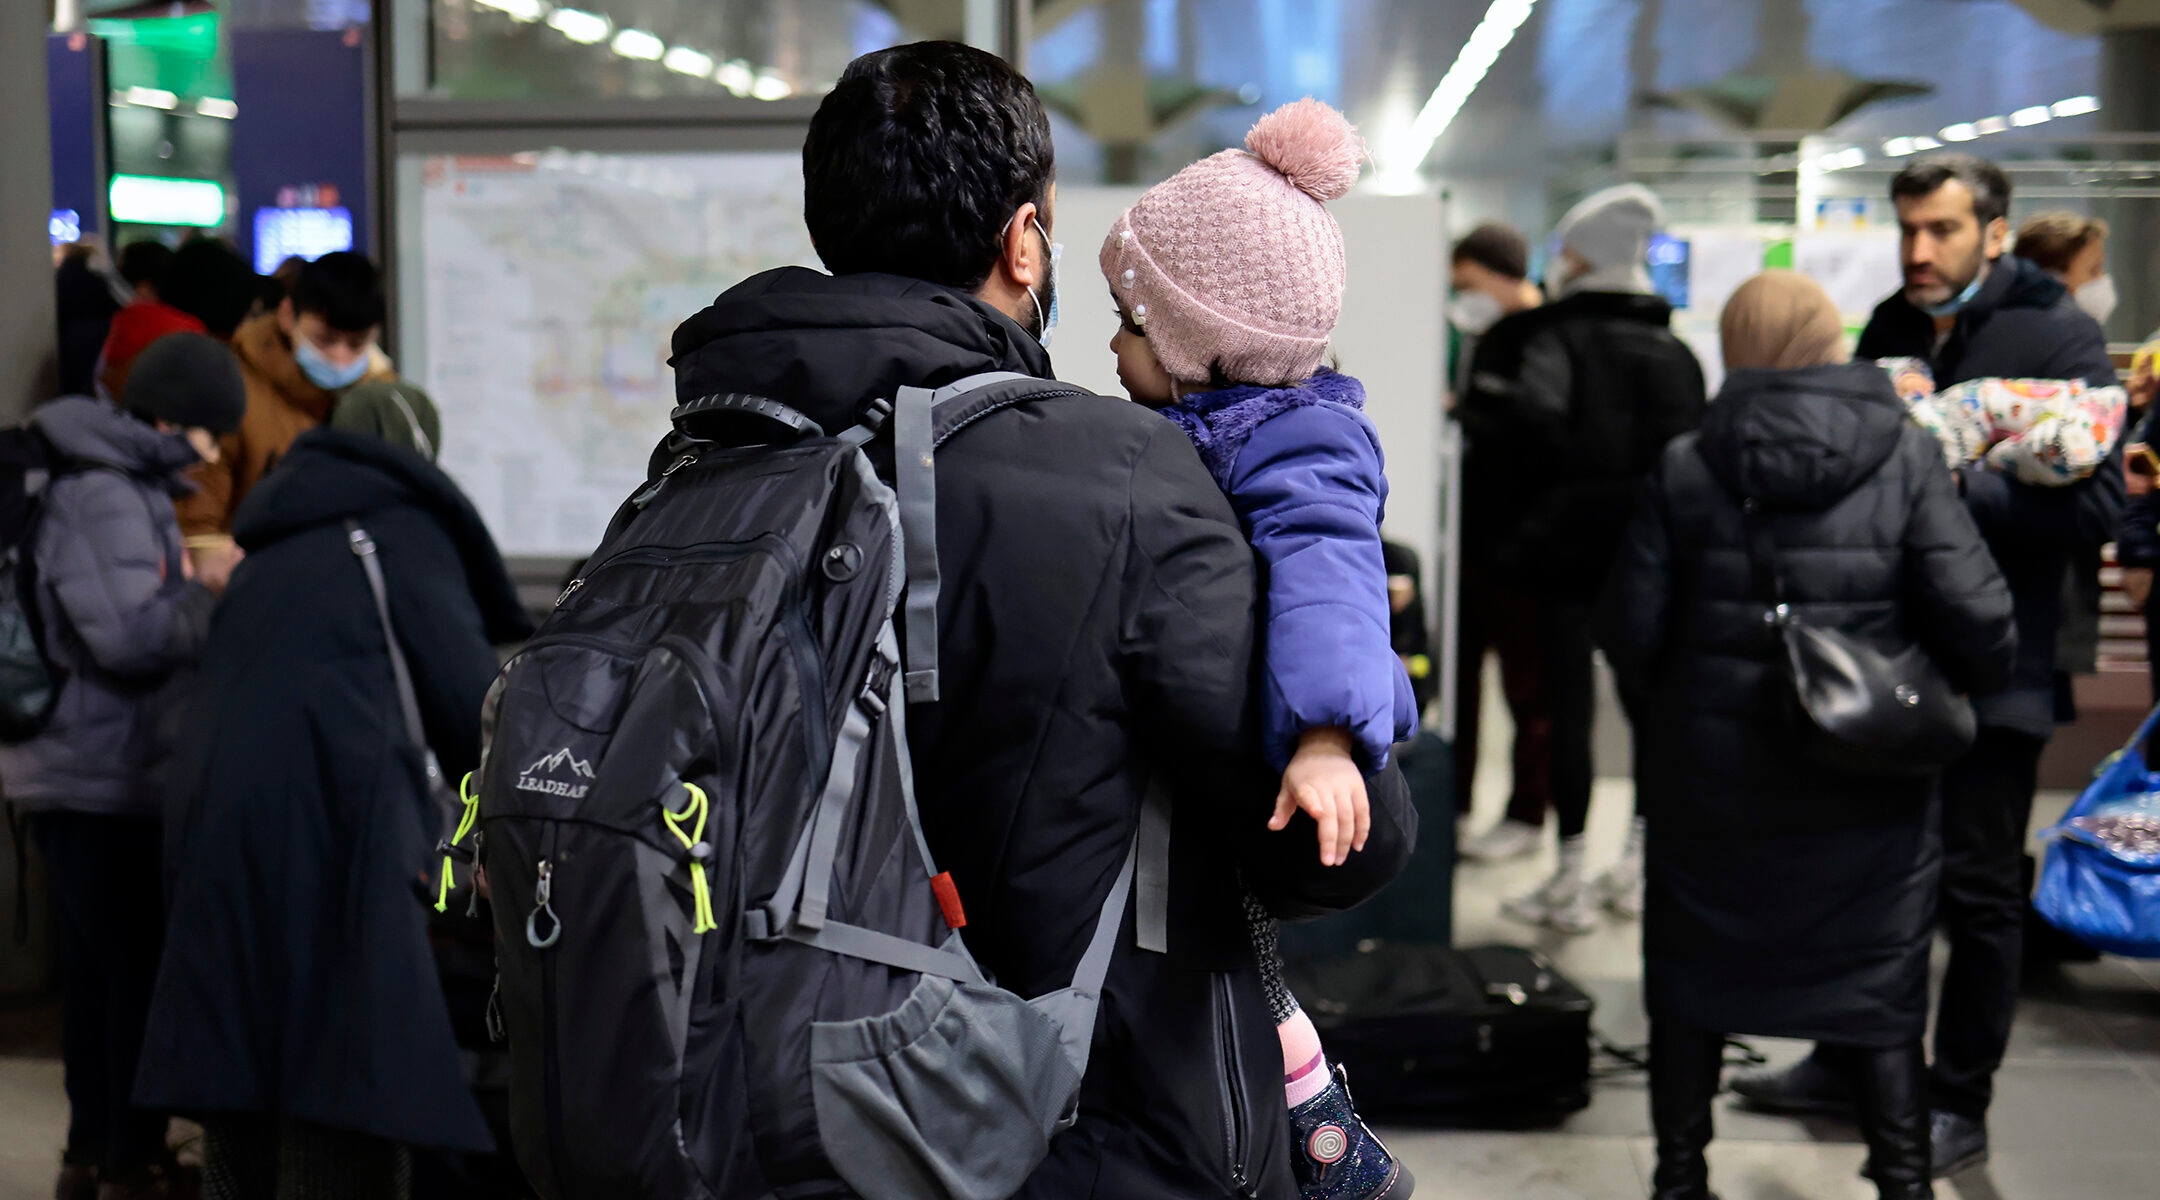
pixel 145 262
pixel 918 158
pixel 1990 188
pixel 342 288
pixel 1498 248
pixel 208 280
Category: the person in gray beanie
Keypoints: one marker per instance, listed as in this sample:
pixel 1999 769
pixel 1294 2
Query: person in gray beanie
pixel 1569 407
pixel 119 613
pixel 1605 242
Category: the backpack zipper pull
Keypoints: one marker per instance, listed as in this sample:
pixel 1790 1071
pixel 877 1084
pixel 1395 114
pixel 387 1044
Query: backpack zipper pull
pixel 542 893
pixel 570 590
pixel 652 491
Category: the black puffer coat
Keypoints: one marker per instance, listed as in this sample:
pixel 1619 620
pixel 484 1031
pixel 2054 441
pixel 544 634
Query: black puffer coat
pixel 297 976
pixel 1568 407
pixel 1095 624
pixel 1787 899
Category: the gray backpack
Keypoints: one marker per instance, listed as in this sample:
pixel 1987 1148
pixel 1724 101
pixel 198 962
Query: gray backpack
pixel 729 966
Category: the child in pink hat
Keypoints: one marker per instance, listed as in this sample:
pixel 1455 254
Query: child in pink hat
pixel 1228 279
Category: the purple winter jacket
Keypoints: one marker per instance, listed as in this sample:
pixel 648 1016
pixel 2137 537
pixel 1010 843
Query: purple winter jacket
pixel 1302 468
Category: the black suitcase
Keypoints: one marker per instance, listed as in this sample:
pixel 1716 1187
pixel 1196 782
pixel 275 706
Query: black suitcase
pixel 1491 1035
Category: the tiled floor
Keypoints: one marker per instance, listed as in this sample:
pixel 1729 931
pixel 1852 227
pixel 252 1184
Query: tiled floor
pixel 2077 1113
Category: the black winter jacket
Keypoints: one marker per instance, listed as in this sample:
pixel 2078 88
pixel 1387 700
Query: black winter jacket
pixel 1567 408
pixel 1096 623
pixel 2021 324
pixel 297 976
pixel 1786 898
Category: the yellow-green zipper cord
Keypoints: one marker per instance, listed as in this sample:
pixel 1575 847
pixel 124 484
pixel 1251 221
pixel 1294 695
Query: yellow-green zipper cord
pixel 464 826
pixel 700 890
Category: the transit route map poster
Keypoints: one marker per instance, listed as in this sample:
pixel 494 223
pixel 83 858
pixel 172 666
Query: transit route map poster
pixel 552 284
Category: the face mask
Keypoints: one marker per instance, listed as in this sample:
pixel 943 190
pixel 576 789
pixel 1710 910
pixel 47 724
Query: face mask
pixel 1952 306
pixel 1473 312
pixel 322 372
pixel 2097 297
pixel 1047 322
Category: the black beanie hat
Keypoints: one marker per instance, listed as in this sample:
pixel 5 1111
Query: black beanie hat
pixel 189 380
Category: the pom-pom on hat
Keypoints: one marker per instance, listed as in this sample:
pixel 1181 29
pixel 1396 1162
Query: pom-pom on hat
pixel 1234 263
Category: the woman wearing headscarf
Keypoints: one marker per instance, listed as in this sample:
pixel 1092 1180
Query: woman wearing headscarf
pixel 299 1012
pixel 1786 898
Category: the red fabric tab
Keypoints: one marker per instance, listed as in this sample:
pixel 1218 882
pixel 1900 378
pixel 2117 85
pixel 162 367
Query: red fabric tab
pixel 948 900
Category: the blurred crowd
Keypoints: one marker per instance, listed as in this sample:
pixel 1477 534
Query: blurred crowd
pixel 1938 494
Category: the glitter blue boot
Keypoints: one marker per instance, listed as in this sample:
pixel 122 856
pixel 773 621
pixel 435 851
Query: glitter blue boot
pixel 1335 1157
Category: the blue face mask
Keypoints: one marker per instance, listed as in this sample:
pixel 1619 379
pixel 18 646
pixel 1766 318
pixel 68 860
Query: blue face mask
pixel 1049 320
pixel 323 373
pixel 1955 304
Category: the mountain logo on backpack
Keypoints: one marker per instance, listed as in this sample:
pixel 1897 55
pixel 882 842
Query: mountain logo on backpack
pixel 536 778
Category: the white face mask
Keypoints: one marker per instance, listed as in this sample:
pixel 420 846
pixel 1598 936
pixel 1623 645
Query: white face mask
pixel 1473 312
pixel 2097 296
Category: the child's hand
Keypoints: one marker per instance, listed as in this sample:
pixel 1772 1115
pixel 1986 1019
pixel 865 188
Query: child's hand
pixel 1324 780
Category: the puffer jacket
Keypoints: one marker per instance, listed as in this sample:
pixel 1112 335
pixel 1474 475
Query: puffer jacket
pixel 1786 898
pixel 1872 541
pixel 1303 470
pixel 282 404
pixel 119 614
pixel 1568 407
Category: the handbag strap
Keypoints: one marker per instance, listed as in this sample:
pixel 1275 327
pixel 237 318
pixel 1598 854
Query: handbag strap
pixel 363 548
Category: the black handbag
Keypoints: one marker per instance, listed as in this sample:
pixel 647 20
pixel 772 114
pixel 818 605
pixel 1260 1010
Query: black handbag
pixel 1853 707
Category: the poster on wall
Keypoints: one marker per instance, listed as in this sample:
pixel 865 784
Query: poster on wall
pixel 1857 268
pixel 553 284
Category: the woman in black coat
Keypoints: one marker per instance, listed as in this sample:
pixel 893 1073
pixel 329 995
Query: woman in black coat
pixel 1787 899
pixel 298 1010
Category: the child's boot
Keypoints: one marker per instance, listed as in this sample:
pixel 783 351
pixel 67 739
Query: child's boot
pixel 1335 1157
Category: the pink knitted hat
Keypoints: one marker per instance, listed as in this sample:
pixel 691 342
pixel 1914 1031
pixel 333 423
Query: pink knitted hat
pixel 1234 261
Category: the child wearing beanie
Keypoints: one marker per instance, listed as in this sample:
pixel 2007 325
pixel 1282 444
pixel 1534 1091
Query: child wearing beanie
pixel 1228 279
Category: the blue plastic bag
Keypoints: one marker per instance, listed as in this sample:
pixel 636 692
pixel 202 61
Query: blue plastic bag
pixel 2101 880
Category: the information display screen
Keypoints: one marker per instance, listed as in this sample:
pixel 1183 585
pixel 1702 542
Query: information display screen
pixel 281 233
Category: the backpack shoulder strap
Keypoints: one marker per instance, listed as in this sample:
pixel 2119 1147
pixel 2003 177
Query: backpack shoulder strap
pixel 922 421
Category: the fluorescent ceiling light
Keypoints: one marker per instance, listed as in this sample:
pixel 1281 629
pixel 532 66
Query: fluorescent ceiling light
pixel 2038 114
pixel 771 87
pixel 155 200
pixel 638 44
pixel 684 61
pixel 518 10
pixel 579 26
pixel 1924 142
pixel 212 106
pixel 2075 106
pixel 736 76
pixel 1990 125
pixel 150 97
pixel 1899 147
pixel 1477 56
pixel 1961 132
